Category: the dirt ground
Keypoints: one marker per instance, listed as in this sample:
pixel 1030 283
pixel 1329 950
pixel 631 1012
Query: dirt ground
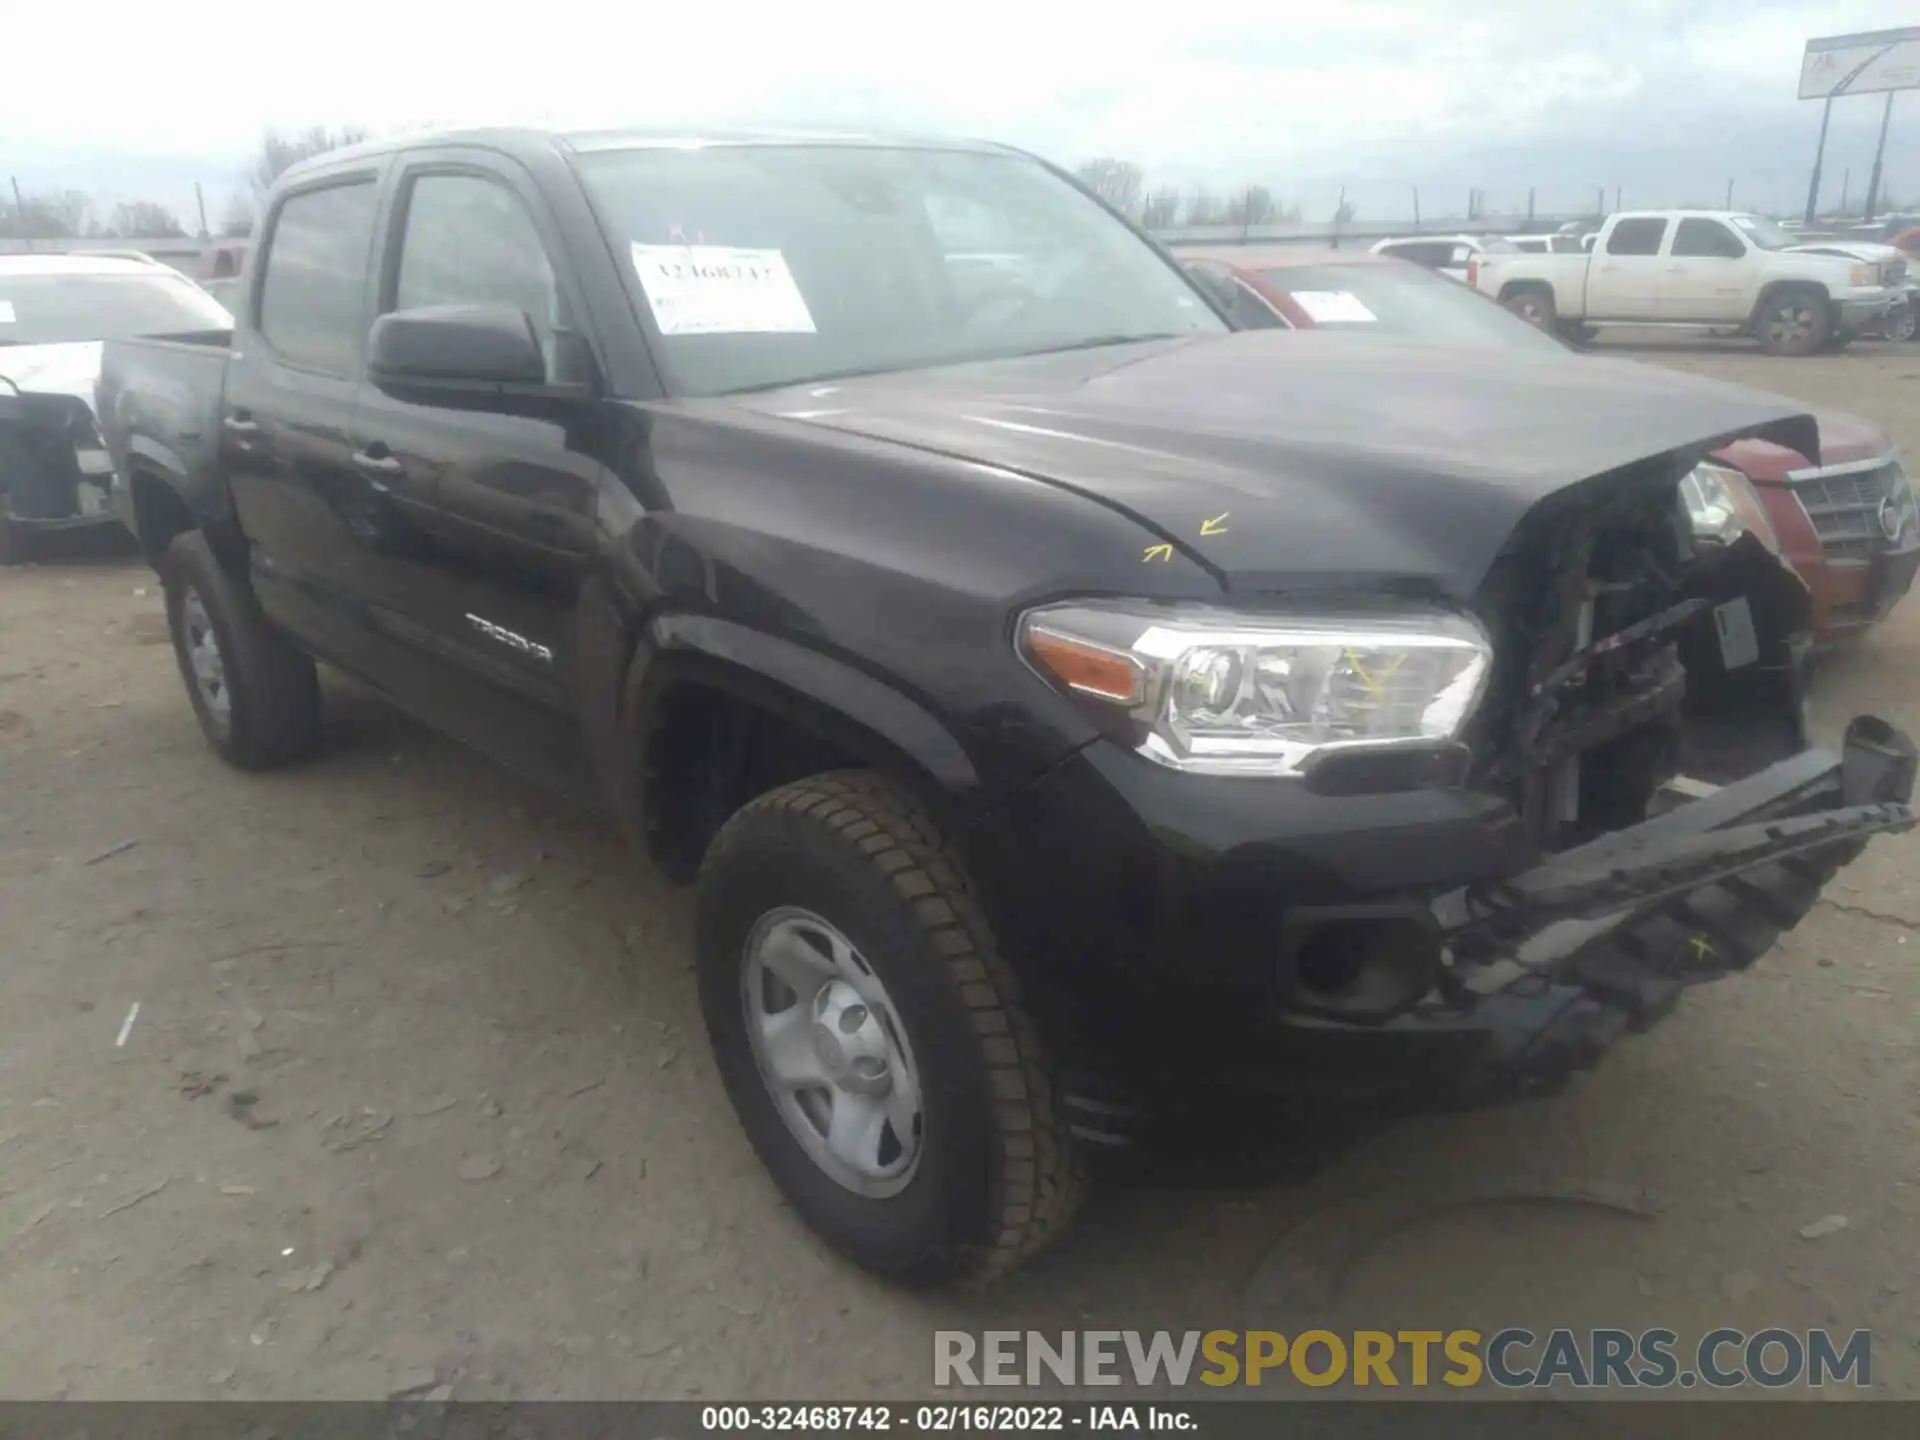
pixel 416 1093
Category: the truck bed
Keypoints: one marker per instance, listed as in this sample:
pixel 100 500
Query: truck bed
pixel 159 404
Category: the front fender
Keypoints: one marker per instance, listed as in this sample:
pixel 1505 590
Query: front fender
pixel 855 713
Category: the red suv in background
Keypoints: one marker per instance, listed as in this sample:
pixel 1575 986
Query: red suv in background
pixel 1846 523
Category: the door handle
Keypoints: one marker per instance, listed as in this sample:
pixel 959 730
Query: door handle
pixel 378 464
pixel 241 427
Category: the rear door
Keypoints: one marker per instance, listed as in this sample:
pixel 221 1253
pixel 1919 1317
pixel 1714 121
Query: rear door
pixel 334 541
pixel 1708 274
pixel 1623 278
pixel 515 479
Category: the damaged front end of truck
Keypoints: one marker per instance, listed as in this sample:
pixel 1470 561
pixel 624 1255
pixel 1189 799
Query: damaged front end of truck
pixel 1646 723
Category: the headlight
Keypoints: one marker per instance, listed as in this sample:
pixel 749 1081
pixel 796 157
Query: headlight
pixel 1225 693
pixel 1722 505
pixel 1865 275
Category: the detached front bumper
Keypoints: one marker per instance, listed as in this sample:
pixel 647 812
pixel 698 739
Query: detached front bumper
pixel 1605 937
pixel 1410 951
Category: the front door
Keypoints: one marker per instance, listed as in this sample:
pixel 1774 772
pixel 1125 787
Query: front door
pixel 516 475
pixel 1708 274
pixel 1623 278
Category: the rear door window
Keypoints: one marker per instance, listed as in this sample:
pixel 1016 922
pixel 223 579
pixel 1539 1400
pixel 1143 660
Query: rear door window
pixel 1639 236
pixel 310 295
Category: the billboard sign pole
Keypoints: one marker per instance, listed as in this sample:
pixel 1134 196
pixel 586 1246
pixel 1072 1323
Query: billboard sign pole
pixel 1869 63
pixel 1873 185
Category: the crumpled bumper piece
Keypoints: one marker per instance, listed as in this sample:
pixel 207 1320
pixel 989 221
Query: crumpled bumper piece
pixel 1602 939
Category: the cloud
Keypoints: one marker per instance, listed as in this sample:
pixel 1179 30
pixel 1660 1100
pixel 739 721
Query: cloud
pixel 1659 96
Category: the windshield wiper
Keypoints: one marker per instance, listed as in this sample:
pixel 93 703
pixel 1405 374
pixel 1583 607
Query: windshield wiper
pixel 1098 342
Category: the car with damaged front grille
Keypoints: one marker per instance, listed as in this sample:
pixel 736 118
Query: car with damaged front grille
pixel 1069 710
pixel 56 310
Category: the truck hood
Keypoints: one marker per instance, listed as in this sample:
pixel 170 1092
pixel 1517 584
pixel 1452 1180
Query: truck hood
pixel 71 368
pixel 1305 459
pixel 1868 251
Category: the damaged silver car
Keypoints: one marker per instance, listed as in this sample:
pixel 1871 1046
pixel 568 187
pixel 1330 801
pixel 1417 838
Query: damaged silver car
pixel 55 313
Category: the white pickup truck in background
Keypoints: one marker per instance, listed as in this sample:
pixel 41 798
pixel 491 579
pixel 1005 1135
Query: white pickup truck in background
pixel 1701 269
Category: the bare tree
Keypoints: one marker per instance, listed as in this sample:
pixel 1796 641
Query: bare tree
pixel 144 217
pixel 1203 208
pixel 1161 211
pixel 278 152
pixel 58 215
pixel 1344 215
pixel 1253 206
pixel 1118 182
pixel 236 221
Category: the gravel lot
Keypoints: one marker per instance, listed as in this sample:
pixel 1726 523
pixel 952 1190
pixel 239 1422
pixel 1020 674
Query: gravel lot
pixel 417 1092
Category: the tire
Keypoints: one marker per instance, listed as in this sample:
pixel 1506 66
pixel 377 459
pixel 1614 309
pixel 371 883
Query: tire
pixel 270 715
pixel 993 1174
pixel 1575 334
pixel 1900 325
pixel 1535 306
pixel 1794 322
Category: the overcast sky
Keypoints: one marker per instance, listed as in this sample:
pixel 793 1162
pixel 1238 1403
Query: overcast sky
pixel 1668 99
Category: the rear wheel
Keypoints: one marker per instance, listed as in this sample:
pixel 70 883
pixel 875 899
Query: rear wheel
pixel 1794 322
pixel 873 1041
pixel 257 698
pixel 1535 306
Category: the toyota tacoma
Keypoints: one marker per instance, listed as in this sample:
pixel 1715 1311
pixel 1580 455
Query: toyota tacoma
pixel 1064 704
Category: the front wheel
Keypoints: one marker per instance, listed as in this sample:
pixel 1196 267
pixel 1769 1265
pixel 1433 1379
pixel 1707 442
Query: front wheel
pixel 1794 322
pixel 1901 324
pixel 873 1041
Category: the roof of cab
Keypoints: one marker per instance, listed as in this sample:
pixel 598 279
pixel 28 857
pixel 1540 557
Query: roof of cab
pixel 586 141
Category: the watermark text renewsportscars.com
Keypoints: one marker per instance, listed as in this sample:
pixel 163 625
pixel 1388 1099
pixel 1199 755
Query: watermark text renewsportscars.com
pixel 1509 1359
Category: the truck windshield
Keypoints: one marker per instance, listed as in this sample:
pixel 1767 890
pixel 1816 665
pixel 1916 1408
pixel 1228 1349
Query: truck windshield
pixel 1392 298
pixel 50 309
pixel 1762 231
pixel 767 265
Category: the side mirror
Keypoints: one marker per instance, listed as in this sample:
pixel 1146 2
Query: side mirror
pixel 460 345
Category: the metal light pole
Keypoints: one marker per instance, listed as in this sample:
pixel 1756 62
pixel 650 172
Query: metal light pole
pixel 20 212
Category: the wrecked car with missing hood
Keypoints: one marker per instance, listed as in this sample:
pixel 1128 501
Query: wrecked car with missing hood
pixel 1066 707
pixel 55 311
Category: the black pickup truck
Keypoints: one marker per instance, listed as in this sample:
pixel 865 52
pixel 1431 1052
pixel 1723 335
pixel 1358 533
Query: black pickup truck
pixel 1068 707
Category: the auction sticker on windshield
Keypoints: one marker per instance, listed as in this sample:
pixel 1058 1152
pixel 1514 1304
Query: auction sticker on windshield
pixel 1333 307
pixel 720 290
